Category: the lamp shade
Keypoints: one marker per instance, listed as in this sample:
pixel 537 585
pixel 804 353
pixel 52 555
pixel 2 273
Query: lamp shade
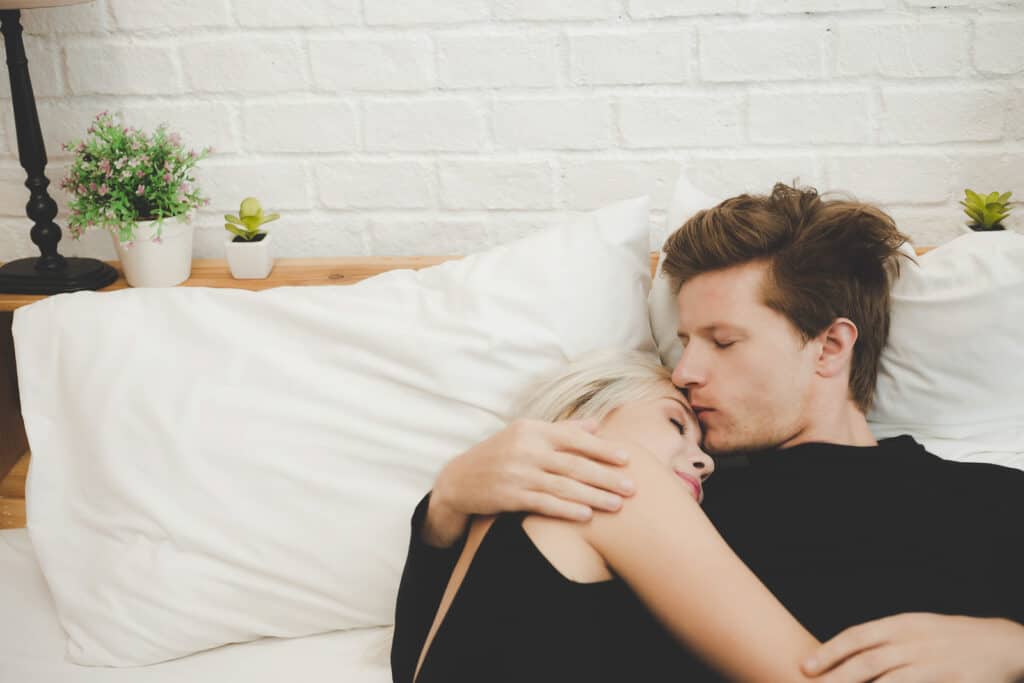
pixel 33 4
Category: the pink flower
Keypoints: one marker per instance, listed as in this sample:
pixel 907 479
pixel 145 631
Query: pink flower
pixel 140 173
pixel 119 164
pixel 167 177
pixel 174 139
pixel 103 189
pixel 192 153
pixel 92 186
pixel 81 189
pixel 105 165
pixel 141 190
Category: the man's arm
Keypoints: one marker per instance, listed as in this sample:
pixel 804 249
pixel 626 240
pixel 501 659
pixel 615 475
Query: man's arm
pixel 923 647
pixel 556 469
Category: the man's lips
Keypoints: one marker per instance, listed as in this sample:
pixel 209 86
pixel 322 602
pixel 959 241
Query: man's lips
pixel 698 490
pixel 701 411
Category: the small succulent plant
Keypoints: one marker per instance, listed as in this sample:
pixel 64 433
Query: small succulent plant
pixel 986 211
pixel 249 220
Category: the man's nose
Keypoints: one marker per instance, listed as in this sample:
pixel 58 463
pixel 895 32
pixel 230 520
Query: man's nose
pixel 688 371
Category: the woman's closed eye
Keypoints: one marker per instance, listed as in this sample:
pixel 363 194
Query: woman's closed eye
pixel 679 425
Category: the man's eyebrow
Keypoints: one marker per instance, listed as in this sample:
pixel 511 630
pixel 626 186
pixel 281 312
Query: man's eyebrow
pixel 686 407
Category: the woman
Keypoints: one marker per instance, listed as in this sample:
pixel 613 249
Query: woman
pixel 535 598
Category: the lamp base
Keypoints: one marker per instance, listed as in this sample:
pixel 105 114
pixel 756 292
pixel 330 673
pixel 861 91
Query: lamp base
pixel 23 277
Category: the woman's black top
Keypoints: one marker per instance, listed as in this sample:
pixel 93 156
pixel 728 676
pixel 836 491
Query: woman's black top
pixel 840 534
pixel 517 618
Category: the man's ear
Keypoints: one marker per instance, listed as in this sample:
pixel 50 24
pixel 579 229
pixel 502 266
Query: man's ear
pixel 836 342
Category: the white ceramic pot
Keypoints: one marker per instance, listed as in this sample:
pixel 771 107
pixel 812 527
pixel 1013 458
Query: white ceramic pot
pixel 152 261
pixel 249 260
pixel 966 228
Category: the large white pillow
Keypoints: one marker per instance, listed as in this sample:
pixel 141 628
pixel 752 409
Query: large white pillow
pixel 952 373
pixel 217 465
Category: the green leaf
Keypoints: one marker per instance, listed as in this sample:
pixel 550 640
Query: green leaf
pixel 972 196
pixel 233 219
pixel 271 217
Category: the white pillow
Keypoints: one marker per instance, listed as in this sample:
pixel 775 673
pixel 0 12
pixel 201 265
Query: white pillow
pixel 686 201
pixel 952 373
pixel 216 465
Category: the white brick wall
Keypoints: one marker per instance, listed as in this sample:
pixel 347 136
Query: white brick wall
pixel 417 126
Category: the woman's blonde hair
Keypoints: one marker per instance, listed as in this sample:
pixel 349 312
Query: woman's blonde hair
pixel 594 385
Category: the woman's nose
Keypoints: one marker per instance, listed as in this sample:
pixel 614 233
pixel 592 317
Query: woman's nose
pixel 703 464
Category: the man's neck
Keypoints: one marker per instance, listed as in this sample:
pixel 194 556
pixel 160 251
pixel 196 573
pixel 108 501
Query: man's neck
pixel 846 426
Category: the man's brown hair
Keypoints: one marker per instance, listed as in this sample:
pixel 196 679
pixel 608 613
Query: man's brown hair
pixel 826 259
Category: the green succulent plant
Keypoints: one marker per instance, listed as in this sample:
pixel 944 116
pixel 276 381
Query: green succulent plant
pixel 986 211
pixel 249 220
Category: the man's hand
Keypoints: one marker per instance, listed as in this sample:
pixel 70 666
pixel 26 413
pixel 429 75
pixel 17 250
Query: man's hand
pixel 557 469
pixel 923 647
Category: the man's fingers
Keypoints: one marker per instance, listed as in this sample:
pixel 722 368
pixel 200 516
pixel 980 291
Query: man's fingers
pixel 589 424
pixel 553 506
pixel 867 665
pixel 589 473
pixel 578 492
pixel 569 437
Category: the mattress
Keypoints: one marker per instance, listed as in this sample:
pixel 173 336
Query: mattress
pixel 32 643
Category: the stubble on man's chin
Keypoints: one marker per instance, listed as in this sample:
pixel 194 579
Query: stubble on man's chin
pixel 739 444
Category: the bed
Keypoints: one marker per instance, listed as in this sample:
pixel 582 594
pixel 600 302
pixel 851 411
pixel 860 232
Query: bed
pixel 44 635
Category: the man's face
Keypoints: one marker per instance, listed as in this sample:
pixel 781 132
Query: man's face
pixel 745 367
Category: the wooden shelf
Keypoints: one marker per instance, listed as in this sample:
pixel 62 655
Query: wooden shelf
pixel 13 485
pixel 12 495
pixel 290 272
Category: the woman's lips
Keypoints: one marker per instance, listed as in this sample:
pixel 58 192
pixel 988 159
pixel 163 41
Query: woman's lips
pixel 698 490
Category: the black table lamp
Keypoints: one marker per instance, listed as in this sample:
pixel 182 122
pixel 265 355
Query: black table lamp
pixel 49 273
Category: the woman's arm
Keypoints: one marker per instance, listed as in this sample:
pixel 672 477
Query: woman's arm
pixel 663 545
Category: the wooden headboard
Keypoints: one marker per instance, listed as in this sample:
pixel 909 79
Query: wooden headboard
pixel 14 455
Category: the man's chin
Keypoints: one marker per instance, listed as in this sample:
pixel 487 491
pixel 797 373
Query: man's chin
pixel 717 444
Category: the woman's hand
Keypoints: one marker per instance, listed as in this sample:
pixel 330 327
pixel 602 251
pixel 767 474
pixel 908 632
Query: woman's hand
pixel 556 469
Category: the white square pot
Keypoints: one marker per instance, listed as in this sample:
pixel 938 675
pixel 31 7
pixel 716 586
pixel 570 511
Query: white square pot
pixel 249 260
pixel 152 261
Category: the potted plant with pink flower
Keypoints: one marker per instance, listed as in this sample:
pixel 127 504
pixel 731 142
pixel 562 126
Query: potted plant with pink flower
pixel 130 183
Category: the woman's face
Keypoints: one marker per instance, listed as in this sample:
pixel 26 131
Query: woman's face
pixel 665 426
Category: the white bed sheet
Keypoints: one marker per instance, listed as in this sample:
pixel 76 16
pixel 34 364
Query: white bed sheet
pixel 32 643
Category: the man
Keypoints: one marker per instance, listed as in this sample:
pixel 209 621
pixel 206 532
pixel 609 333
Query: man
pixel 783 314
